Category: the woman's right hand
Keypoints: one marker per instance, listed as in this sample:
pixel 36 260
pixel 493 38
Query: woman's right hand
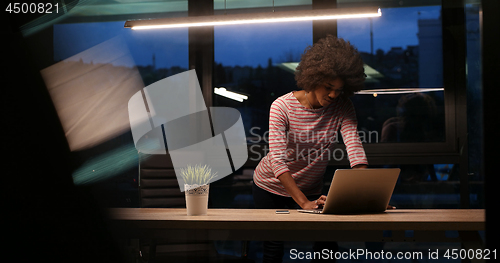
pixel 315 203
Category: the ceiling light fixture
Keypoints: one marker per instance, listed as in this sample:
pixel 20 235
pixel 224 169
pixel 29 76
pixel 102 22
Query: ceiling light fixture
pixel 254 18
pixel 397 91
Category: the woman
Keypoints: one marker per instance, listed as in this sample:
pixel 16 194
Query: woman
pixel 303 129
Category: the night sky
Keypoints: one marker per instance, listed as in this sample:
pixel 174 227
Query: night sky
pixel 244 45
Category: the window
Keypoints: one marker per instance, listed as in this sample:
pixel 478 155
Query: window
pixel 155 54
pixel 252 60
pixel 475 120
pixel 99 67
pixel 404 100
pixel 404 96
pixel 404 51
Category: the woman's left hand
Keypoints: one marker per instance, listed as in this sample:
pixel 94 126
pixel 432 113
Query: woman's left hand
pixel 321 201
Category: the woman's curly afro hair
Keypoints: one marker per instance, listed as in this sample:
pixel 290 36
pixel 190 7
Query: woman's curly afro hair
pixel 331 58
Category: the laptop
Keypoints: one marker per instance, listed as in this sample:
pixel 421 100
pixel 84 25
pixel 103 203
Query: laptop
pixel 359 191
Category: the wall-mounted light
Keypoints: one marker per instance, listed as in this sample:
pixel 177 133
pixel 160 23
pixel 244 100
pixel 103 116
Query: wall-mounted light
pixel 253 18
pixel 376 92
pixel 230 94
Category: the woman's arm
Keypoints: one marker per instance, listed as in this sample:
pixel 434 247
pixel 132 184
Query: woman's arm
pixel 349 131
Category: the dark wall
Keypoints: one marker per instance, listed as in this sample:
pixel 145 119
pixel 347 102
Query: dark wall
pixel 48 218
pixel 491 84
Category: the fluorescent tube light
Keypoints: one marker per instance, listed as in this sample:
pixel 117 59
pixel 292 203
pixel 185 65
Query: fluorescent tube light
pixel 230 94
pixel 398 91
pixel 253 18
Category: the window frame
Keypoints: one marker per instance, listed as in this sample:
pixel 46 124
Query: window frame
pixel 454 82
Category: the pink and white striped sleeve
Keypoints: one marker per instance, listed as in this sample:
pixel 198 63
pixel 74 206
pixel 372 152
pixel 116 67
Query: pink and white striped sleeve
pixel 278 126
pixel 349 131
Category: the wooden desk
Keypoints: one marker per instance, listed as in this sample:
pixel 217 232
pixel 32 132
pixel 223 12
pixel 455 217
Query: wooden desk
pixel 428 225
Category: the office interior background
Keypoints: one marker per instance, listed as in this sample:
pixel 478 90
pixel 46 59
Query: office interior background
pixel 429 64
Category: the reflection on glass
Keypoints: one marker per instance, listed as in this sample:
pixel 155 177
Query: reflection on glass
pixel 416 121
pixel 97 68
pixel 90 91
pixel 401 117
pixel 404 47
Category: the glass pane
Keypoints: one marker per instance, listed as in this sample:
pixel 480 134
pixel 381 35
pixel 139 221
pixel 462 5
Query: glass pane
pixel 427 186
pixel 474 103
pixel 252 60
pixel 403 100
pixel 236 4
pixel 100 66
pixel 156 54
pixel 99 10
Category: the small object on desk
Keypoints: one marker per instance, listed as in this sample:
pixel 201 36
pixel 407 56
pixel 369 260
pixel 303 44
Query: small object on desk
pixel 282 212
pixel 312 211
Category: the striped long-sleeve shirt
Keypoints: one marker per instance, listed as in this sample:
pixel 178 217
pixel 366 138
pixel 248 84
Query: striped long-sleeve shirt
pixel 301 141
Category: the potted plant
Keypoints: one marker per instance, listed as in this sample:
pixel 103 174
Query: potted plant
pixel 196 184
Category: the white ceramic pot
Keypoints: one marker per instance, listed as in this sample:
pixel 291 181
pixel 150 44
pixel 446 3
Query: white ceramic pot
pixel 196 199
